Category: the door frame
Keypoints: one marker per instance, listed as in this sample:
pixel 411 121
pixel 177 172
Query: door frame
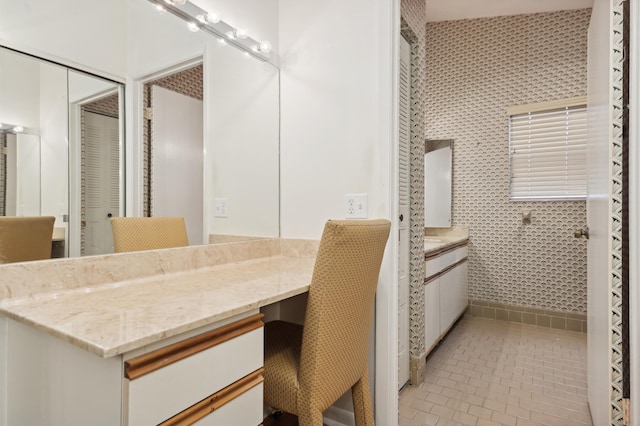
pixel 634 206
pixel 74 227
pixel 386 397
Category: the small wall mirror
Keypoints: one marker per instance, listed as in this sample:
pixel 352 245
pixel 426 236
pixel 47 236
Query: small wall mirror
pixel 438 156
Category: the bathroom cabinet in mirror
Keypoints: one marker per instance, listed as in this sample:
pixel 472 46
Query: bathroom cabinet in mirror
pixel 438 183
pixel 131 45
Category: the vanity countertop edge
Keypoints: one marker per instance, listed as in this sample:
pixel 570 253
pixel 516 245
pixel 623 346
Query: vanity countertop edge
pixel 438 240
pixel 114 318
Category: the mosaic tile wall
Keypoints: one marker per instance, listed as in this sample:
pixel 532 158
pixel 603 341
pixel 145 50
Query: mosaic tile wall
pixel 617 369
pixel 413 14
pixel 106 106
pixel 188 82
pixel 475 70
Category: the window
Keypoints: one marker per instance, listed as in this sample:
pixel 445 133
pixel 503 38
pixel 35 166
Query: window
pixel 548 151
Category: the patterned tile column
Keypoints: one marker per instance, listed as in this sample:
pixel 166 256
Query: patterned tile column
pixel 414 16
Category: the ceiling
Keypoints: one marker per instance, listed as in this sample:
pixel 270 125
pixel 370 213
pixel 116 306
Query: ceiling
pixel 449 10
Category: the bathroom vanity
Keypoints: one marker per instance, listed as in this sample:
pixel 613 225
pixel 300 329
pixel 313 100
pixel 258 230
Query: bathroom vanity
pixel 142 338
pixel 445 284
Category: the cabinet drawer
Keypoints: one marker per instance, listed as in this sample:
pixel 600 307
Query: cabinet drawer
pixel 246 410
pixel 238 404
pixel 462 253
pixel 431 314
pixel 432 266
pixel 442 261
pixel 206 364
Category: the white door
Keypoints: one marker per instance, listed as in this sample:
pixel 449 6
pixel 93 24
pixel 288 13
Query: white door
pixel 403 191
pixel 177 152
pixel 598 214
pixel 102 185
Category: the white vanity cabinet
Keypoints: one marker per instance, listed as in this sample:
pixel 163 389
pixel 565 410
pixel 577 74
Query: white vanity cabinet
pixel 432 313
pixel 445 291
pixel 210 376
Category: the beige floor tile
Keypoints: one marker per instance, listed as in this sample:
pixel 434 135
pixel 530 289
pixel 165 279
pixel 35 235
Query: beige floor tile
pixel 519 412
pixel 420 404
pixel 481 412
pixel 489 372
pixel 425 419
pixel 465 419
pixel 504 419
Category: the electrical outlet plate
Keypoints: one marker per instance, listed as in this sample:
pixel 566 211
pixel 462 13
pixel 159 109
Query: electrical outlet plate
pixel 356 206
pixel 220 206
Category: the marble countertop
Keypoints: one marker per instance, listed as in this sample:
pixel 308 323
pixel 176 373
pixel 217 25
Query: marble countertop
pixel 441 239
pixel 114 318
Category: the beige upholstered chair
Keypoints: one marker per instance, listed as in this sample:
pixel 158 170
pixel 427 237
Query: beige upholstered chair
pixel 25 238
pixel 308 369
pixel 148 233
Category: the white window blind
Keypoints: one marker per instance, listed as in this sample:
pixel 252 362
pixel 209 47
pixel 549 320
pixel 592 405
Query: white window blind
pixel 548 153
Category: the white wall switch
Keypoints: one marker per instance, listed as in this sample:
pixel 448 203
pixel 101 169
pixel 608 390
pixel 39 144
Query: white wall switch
pixel 356 206
pixel 220 206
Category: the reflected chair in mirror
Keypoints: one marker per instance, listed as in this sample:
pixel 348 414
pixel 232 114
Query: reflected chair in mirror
pixel 307 368
pixel 25 238
pixel 148 233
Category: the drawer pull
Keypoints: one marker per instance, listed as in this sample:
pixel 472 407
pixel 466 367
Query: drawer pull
pixel 147 363
pixel 216 401
pixel 445 250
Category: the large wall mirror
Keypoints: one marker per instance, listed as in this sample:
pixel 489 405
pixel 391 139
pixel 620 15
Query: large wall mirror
pixel 209 126
pixel 76 121
pixel 53 148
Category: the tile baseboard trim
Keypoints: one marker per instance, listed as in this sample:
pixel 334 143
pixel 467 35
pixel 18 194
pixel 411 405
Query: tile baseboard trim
pixel 418 369
pixel 532 316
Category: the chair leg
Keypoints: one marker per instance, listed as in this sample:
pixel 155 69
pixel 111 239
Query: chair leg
pixel 362 407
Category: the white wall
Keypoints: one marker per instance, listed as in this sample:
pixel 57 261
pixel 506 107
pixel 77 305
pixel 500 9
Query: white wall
pixel 338 136
pixel 20 90
pixel 243 148
pixel 54 169
pixel 598 213
pixel 88 33
pixel 28 187
pixel 330 138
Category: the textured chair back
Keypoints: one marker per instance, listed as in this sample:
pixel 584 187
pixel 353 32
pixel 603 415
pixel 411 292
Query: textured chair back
pixel 335 340
pixel 25 238
pixel 148 233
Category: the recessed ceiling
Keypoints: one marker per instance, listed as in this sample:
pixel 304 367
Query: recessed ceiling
pixel 450 10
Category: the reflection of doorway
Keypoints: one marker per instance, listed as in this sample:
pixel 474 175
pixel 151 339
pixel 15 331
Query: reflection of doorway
pixel 173 166
pixel 100 181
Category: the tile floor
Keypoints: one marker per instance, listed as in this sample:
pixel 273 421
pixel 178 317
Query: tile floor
pixel 490 372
